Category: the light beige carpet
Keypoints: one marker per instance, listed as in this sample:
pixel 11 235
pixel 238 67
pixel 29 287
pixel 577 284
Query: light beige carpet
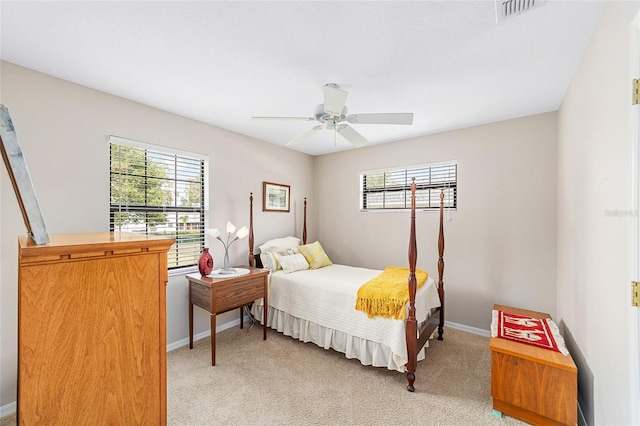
pixel 282 381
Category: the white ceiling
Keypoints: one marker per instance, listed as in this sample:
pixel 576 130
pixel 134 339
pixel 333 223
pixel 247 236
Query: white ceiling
pixel 222 62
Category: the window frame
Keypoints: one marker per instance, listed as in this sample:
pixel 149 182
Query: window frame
pixel 406 187
pixel 201 211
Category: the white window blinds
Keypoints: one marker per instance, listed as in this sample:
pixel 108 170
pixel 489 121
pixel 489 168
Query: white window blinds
pixel 391 189
pixel 159 193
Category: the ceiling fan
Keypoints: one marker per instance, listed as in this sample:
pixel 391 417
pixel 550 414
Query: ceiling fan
pixel 332 115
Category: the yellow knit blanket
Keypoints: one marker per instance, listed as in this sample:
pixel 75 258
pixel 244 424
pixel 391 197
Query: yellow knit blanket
pixel 387 294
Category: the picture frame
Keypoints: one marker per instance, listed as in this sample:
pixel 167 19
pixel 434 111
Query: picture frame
pixel 275 197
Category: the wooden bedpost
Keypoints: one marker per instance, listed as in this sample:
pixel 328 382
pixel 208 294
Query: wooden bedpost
pixel 304 223
pixel 252 260
pixel 441 265
pixel 411 323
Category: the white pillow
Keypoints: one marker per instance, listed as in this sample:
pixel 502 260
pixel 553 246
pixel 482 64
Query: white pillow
pixel 293 263
pixel 270 259
pixel 279 244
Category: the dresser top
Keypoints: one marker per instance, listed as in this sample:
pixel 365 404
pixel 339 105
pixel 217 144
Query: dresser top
pixel 94 243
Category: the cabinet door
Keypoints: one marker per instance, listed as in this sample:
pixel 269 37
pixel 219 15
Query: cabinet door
pixel 90 342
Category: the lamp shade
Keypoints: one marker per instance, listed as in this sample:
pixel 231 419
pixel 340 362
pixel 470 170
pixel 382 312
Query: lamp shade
pixel 242 232
pixel 213 233
pixel 230 228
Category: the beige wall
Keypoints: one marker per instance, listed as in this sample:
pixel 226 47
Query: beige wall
pixel 500 243
pixel 63 130
pixel 594 179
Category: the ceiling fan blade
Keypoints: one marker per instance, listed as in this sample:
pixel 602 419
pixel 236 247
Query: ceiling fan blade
pixel 284 118
pixel 381 118
pixel 334 99
pixel 305 135
pixel 351 135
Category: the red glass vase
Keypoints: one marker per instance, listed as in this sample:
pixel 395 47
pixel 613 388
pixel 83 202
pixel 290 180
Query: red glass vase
pixel 205 264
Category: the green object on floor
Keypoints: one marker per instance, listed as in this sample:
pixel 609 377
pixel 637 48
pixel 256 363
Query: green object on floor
pixel 497 414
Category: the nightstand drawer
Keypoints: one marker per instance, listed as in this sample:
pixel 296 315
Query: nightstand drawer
pixel 238 294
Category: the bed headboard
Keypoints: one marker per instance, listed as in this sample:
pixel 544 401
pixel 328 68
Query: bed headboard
pixel 254 258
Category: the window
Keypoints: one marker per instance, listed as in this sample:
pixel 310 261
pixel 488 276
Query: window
pixel 157 191
pixel 391 189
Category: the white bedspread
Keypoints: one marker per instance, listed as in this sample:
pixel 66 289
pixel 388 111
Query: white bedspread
pixel 327 297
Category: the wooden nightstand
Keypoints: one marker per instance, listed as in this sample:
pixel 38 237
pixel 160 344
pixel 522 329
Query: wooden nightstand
pixel 219 295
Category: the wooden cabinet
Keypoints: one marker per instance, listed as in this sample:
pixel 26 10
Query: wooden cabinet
pixel 92 330
pixel 539 386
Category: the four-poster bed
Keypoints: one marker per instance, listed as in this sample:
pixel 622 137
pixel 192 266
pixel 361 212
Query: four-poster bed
pixel 317 305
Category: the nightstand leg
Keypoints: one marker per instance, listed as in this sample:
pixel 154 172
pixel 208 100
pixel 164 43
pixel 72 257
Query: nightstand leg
pixel 241 317
pixel 190 324
pixel 213 339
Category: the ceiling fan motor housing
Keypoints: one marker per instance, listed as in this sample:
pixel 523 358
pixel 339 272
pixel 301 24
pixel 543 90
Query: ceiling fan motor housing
pixel 328 119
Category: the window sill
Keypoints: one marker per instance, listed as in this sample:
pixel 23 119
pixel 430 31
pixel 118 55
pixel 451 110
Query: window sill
pixel 183 271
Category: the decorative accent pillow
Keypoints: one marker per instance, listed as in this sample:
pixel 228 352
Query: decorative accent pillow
pixel 280 244
pixel 315 255
pixel 293 263
pixel 270 259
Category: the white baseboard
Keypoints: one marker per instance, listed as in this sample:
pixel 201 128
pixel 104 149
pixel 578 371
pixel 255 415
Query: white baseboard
pixel 205 334
pixel 8 409
pixel 469 329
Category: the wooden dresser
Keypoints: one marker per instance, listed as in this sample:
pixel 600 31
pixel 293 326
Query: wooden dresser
pixel 92 330
pixel 537 385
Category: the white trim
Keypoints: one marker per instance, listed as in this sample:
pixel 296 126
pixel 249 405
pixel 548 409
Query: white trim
pixel 203 335
pixel 411 167
pixel 634 252
pixel 183 270
pixel 7 410
pixel 468 329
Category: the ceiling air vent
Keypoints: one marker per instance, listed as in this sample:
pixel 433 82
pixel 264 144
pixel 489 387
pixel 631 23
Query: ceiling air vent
pixel 508 8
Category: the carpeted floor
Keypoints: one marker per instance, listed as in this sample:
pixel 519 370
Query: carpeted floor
pixel 282 381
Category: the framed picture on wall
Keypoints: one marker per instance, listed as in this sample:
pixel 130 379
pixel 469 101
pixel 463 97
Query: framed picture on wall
pixel 275 197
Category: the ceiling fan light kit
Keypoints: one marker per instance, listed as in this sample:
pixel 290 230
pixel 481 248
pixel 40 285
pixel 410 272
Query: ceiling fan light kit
pixel 333 115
